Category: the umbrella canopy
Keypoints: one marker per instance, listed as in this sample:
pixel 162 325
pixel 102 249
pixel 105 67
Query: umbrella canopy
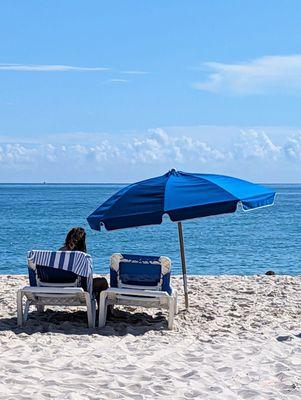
pixel 181 196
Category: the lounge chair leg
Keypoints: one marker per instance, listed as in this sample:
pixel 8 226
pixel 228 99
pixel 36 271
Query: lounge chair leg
pixel 20 307
pixel 102 309
pixel 175 298
pixel 171 313
pixel 26 310
pixel 91 321
pixel 40 309
pixel 94 311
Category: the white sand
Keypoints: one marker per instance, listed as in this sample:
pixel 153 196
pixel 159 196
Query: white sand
pixel 240 340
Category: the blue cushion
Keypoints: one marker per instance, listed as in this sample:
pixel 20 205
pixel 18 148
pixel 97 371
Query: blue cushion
pixel 139 274
pixel 54 275
pixel 140 271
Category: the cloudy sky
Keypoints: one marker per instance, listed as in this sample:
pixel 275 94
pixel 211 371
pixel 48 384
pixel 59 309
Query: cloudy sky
pixel 123 90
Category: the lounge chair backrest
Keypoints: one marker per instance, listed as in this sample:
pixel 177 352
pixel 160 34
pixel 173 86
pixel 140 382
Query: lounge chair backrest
pixel 52 275
pixel 59 268
pixel 143 272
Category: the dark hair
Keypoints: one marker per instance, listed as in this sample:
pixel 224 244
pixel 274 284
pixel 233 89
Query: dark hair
pixel 76 240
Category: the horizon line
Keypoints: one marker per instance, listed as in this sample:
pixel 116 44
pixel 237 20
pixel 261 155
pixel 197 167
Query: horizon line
pixel 118 183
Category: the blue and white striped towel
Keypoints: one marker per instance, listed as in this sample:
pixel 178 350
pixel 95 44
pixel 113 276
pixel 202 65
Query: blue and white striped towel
pixel 75 261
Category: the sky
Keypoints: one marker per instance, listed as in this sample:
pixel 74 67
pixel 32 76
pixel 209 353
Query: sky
pixel 94 91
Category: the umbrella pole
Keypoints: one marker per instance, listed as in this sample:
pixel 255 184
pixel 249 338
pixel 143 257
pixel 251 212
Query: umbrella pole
pixel 183 261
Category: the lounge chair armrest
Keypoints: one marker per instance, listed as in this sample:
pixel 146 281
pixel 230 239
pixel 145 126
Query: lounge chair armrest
pixel 137 292
pixel 52 290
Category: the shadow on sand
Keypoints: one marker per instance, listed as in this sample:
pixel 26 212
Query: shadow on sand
pixel 120 323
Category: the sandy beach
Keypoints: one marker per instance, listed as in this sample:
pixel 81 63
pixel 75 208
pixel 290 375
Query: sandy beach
pixel 241 339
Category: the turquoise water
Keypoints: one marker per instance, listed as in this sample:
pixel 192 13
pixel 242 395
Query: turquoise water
pixel 38 217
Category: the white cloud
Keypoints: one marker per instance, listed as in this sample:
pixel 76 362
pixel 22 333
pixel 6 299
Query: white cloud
pixel 268 74
pixel 251 154
pixel 292 147
pixel 134 72
pixel 256 145
pixel 160 147
pixel 65 68
pixel 155 148
pixel 118 80
pixel 47 68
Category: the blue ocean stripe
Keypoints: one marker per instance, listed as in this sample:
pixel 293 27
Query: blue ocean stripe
pixel 62 258
pixel 52 258
pixel 75 264
pixel 71 261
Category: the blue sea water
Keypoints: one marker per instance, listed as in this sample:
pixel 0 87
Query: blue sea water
pixel 39 216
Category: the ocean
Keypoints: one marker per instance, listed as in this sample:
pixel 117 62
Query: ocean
pixel 35 216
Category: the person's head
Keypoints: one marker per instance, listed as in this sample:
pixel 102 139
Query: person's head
pixel 76 239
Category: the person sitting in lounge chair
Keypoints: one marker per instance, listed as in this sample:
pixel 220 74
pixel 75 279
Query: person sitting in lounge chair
pixel 76 241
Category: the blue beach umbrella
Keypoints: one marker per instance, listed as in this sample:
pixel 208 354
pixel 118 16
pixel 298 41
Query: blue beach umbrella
pixel 181 196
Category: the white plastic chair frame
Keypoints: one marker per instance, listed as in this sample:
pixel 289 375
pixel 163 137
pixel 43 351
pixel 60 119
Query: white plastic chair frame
pixel 53 294
pixel 143 296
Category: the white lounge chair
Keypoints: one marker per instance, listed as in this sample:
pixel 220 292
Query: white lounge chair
pixel 55 279
pixel 139 281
